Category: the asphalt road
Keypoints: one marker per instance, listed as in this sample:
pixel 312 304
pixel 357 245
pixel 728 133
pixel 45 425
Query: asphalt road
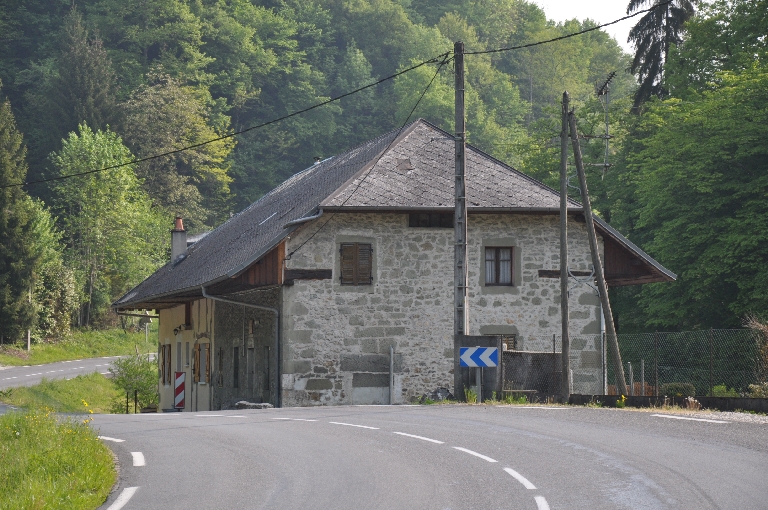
pixel 435 457
pixel 33 374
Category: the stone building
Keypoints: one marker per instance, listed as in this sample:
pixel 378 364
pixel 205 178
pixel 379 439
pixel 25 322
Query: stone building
pixel 298 299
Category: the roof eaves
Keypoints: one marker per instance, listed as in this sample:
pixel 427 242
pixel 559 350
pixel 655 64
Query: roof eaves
pixel 634 248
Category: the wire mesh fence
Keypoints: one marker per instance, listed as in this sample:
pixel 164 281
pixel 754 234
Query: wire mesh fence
pixel 717 362
pixel 707 362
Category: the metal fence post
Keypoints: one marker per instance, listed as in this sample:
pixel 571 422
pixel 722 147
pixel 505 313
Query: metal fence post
pixel 642 377
pixel 711 393
pixel 656 363
pixel 127 393
pixel 631 380
pixel 135 400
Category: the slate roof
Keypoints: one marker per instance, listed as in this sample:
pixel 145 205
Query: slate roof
pixel 411 170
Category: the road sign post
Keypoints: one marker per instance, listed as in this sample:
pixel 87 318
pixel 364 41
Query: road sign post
pixel 479 357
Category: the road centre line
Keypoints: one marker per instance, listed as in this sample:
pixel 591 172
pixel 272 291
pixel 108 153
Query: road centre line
pixel 123 498
pixel 105 438
pixel 419 437
pixel 541 503
pixel 138 459
pixel 520 478
pixel 478 455
pixel 686 418
pixel 353 425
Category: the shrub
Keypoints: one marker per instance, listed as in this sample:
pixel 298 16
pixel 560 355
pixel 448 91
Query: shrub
pixel 134 373
pixel 721 390
pixel 678 389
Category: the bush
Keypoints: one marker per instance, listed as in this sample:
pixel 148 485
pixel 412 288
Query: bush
pixel 134 373
pixel 758 390
pixel 678 389
pixel 721 390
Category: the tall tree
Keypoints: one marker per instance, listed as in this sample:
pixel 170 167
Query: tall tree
pixel 113 235
pixel 653 36
pixel 17 256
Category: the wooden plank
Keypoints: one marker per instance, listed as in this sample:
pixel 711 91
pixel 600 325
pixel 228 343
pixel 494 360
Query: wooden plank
pixel 308 274
pixel 555 273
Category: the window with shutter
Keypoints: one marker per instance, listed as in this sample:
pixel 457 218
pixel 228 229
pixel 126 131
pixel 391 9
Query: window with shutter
pixel 356 264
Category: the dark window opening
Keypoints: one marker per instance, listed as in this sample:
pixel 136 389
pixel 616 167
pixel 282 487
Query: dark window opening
pixel 430 220
pixel 187 314
pixel 236 367
pixel 356 264
pixel 498 266
pixel 509 343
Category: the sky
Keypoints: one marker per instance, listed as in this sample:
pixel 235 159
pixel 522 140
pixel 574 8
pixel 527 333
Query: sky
pixel 601 11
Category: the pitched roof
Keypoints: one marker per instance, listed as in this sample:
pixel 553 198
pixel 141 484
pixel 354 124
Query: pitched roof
pixel 410 170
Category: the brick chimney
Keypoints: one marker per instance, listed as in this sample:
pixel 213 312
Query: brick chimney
pixel 178 240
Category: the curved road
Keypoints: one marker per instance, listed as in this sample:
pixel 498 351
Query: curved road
pixel 436 457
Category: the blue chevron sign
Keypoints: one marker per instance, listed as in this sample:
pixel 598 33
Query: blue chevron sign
pixel 478 356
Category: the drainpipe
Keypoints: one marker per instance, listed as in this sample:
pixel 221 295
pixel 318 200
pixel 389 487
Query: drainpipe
pixel 303 220
pixel 278 382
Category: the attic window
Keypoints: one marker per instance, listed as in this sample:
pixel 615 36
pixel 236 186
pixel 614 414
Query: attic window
pixel 356 264
pixel 430 220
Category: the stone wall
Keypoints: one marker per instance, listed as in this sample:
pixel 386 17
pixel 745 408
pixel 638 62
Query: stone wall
pixel 336 338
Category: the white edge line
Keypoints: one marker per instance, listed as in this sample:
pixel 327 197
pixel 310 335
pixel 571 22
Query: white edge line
pixel 419 437
pixel 353 425
pixel 541 503
pixel 478 455
pixel 235 416
pixel 209 415
pixel 123 498
pixel 105 438
pixel 686 418
pixel 138 459
pixel 520 478
pixel 281 418
pixel 300 419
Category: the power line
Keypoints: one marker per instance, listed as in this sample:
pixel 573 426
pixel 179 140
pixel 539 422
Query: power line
pixel 568 36
pixel 234 133
pixel 423 93
pixel 323 103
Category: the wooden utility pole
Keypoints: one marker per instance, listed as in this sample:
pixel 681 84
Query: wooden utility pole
pixel 564 313
pixel 460 317
pixel 602 288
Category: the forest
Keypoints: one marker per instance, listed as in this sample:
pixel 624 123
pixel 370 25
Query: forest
pixel 109 89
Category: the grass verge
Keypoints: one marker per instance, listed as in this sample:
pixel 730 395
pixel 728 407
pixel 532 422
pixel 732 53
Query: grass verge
pixel 47 463
pixel 80 344
pixel 66 396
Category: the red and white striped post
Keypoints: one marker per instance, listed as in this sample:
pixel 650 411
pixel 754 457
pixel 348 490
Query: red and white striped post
pixel 178 390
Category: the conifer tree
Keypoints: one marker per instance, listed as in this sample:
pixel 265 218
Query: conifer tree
pixel 17 257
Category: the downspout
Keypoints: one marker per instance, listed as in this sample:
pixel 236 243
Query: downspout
pixel 278 382
pixel 303 220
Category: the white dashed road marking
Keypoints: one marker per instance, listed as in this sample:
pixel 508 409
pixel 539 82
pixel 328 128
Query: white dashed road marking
pixel 124 497
pixel 686 418
pixel 209 415
pixel 520 478
pixel 292 419
pixel 138 459
pixel 105 438
pixel 353 425
pixel 541 503
pixel 419 437
pixel 478 455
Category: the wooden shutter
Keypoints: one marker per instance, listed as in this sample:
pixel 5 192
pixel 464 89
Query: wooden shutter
pixel 196 364
pixel 166 364
pixel 208 363
pixel 356 264
pixel 161 362
pixel 348 264
pixel 364 264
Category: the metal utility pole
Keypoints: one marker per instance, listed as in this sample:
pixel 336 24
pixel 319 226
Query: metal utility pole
pixel 460 212
pixel 602 287
pixel 564 313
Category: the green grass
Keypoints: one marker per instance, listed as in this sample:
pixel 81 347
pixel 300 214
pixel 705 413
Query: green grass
pixel 47 463
pixel 66 396
pixel 81 344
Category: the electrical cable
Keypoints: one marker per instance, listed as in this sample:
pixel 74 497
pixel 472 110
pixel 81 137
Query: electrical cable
pixel 234 133
pixel 408 118
pixel 323 103
pixel 568 36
